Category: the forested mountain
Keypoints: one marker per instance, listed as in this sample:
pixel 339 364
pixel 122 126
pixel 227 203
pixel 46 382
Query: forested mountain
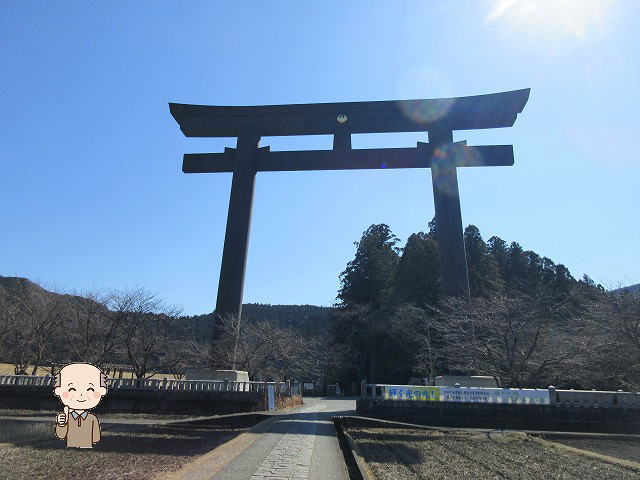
pixel 304 319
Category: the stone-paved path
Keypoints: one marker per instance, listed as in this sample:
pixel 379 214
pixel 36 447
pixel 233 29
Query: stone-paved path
pixel 291 458
pixel 295 446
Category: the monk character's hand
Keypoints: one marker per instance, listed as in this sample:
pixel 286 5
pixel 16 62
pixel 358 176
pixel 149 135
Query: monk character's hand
pixel 63 417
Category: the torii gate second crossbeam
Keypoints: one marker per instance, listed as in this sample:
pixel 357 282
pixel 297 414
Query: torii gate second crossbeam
pixel 438 117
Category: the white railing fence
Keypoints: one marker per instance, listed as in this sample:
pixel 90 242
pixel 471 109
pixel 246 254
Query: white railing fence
pixel 170 385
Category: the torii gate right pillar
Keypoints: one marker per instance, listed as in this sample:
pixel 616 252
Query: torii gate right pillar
pixel 453 260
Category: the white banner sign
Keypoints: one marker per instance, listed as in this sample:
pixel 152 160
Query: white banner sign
pixel 466 394
pixel 494 395
pixel 410 392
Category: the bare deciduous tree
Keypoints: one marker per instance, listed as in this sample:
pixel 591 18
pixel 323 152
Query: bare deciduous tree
pixel 5 318
pixel 17 341
pixel 263 348
pixel 520 338
pixel 355 327
pixel 616 364
pixel 179 354
pixel 416 328
pixel 144 320
pixel 32 319
pixel 93 331
pixel 45 314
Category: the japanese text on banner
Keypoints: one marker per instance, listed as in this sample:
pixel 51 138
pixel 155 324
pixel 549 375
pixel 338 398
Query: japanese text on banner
pixel 400 392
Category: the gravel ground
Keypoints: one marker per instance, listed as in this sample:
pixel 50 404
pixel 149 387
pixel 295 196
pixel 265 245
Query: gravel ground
pixel 624 449
pixel 139 454
pixel 412 454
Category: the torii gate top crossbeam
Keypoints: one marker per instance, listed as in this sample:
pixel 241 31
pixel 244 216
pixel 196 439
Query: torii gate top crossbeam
pixel 462 113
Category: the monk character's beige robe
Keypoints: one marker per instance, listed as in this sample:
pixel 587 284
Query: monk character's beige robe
pixel 80 432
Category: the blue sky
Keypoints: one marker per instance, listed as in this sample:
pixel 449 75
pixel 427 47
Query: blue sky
pixel 92 194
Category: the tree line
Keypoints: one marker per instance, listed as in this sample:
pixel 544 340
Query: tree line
pixel 529 321
pixel 136 329
pixel 129 327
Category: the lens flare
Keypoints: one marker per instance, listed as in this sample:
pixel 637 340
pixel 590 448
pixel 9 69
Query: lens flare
pixel 443 180
pixel 426 111
pixel 420 81
pixel 456 155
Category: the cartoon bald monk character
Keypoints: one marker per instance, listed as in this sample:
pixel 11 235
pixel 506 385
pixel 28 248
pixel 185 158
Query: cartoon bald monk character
pixel 80 387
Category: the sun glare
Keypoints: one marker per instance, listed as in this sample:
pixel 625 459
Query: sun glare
pixel 573 17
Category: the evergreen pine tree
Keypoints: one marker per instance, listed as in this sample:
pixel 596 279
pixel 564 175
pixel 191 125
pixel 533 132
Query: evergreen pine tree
pixel 499 251
pixel 534 278
pixel 484 275
pixel 369 277
pixel 517 267
pixel 418 274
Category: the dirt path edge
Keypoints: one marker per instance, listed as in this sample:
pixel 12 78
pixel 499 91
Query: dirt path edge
pixel 364 469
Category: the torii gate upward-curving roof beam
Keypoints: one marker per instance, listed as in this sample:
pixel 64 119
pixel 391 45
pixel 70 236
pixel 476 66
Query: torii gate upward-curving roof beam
pixel 494 110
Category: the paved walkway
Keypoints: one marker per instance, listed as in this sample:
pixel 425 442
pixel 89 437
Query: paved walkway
pixel 297 445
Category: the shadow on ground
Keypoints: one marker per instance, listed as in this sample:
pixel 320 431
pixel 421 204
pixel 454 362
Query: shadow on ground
pixel 158 440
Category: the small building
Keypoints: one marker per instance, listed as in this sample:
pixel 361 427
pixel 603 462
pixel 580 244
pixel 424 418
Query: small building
pixel 312 386
pixel 334 390
pixel 418 381
pixel 483 381
pixel 219 375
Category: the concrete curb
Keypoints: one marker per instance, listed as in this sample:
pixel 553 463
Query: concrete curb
pixel 355 464
pixel 363 468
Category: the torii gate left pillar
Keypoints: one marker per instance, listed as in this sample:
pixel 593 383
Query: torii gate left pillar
pixel 440 154
pixel 236 238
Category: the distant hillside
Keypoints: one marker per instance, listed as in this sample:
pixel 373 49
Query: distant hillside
pixel 631 288
pixel 20 285
pixel 23 287
pixel 307 319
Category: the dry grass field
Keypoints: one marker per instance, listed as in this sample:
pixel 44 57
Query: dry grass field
pixel 139 453
pixel 412 454
pixel 7 369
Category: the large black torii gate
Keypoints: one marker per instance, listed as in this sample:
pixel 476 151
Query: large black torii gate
pixel 438 117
